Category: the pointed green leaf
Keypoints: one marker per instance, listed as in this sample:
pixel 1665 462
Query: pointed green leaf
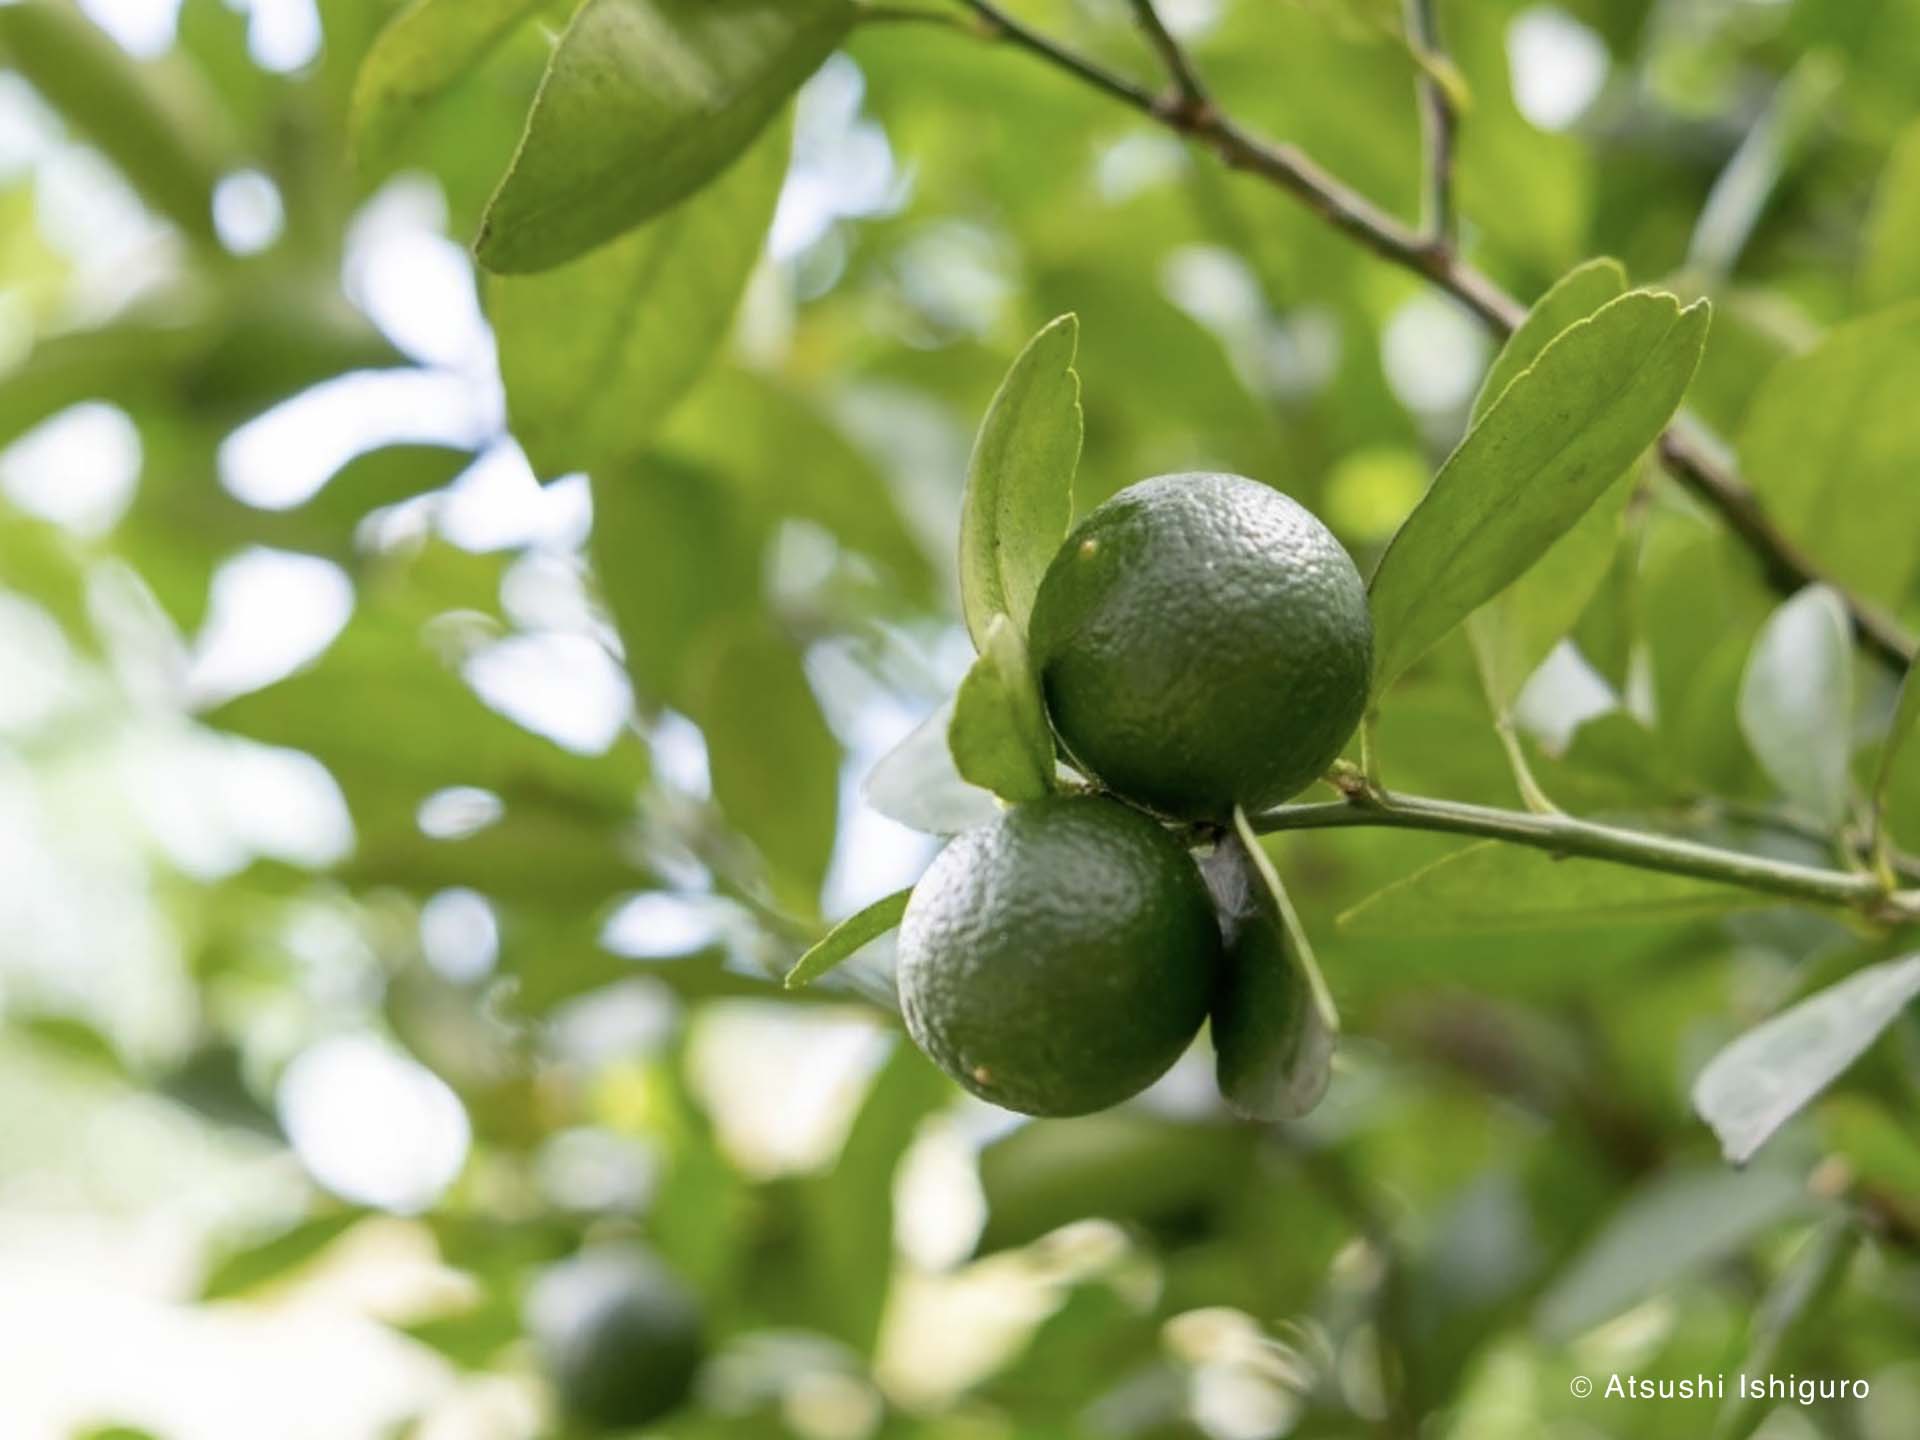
pixel 1791 1314
pixel 775 765
pixel 155 134
pixel 1906 716
pixel 1767 1076
pixel 645 102
pixel 1493 888
pixel 1574 296
pixel 1796 702
pixel 848 936
pixel 425 51
pixel 1564 431
pixel 918 785
pixel 252 1266
pixel 1274 1023
pixel 999 730
pixel 1890 267
pixel 1831 448
pixel 596 354
pixel 1019 498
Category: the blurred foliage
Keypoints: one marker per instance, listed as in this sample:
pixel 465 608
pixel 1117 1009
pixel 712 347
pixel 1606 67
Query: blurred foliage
pixel 578 931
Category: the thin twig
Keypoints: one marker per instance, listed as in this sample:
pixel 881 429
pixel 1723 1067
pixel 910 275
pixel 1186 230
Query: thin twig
pixel 1437 121
pixel 1191 90
pixel 1684 452
pixel 1566 836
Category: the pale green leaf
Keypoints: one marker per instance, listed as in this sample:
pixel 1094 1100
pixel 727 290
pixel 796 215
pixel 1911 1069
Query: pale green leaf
pixel 645 102
pixel 1574 296
pixel 1564 431
pixel 596 354
pixel 1274 1024
pixel 1019 498
pixel 1492 888
pixel 999 731
pixel 277 1256
pixel 1831 446
pixel 158 133
pixel 1768 1075
pixel 1796 702
pixel 425 51
pixel 1906 717
pixel 848 936
pixel 1677 1225
pixel 917 784
pixel 1890 268
pixel 775 765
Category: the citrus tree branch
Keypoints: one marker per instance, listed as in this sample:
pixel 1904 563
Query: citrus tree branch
pixel 1564 835
pixel 1191 90
pixel 1685 451
pixel 1437 120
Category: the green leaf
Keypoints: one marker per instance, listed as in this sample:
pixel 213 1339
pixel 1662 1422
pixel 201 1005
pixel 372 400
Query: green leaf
pixel 155 134
pixel 999 731
pixel 1906 715
pixel 1019 498
pixel 645 102
pixel 1831 446
pixel 1494 888
pixel 1890 266
pixel 252 1266
pixel 775 765
pixel 1796 702
pixel 1676 1225
pixel 1564 431
pixel 1764 1078
pixel 917 783
pixel 425 51
pixel 848 936
pixel 1574 296
pixel 1791 1313
pixel 595 354
pixel 1274 1023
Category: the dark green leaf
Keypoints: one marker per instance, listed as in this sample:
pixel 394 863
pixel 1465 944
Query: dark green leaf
pixel 848 936
pixel 1564 431
pixel 1796 702
pixel 1906 715
pixel 775 764
pixel 1274 1024
pixel 999 731
pixel 161 140
pixel 1493 888
pixel 917 783
pixel 1763 1079
pixel 596 353
pixel 1019 498
pixel 646 101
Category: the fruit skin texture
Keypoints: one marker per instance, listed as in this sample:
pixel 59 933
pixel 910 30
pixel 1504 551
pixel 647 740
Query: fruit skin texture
pixel 620 1337
pixel 1202 641
pixel 1058 959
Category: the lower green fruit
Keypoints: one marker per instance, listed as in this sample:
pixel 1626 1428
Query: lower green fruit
pixel 620 1337
pixel 1060 958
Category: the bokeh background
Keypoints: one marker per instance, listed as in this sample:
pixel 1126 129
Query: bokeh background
pixel 370 933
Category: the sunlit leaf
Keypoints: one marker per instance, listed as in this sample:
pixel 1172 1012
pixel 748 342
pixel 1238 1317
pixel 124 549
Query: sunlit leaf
pixel 645 102
pixel 1574 296
pixel 1564 431
pixel 999 732
pixel 917 783
pixel 596 353
pixel 1796 702
pixel 1890 269
pixel 1763 1079
pixel 1019 497
pixel 848 936
pixel 248 1268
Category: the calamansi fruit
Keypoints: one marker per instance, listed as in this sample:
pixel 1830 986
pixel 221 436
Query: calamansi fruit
pixel 1202 641
pixel 619 1336
pixel 1058 959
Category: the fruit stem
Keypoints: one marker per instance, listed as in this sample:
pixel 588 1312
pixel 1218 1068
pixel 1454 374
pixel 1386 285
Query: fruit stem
pixel 1564 835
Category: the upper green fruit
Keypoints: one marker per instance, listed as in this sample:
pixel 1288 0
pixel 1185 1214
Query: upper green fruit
pixel 1202 641
pixel 1058 959
pixel 620 1337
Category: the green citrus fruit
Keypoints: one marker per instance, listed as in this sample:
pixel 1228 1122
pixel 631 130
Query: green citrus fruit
pixel 620 1336
pixel 1202 641
pixel 1059 958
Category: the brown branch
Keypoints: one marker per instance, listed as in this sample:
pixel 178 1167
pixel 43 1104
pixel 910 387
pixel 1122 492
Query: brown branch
pixel 1438 122
pixel 1192 92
